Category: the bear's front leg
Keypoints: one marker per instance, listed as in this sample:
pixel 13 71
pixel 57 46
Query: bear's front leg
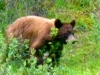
pixel 35 46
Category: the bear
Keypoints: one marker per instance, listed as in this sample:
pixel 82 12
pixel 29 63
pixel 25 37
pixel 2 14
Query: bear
pixel 37 30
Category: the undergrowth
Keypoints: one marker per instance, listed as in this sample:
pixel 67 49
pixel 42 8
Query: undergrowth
pixel 81 58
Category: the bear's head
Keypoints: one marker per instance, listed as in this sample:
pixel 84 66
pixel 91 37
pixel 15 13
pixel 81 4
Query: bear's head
pixel 65 30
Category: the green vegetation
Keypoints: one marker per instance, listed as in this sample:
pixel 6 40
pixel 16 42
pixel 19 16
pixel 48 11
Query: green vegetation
pixel 81 58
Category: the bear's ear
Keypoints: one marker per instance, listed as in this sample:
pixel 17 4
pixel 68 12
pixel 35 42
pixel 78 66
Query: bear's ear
pixel 58 23
pixel 73 23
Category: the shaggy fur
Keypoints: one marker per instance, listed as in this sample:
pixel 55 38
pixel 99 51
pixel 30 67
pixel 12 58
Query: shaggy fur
pixel 34 28
pixel 37 30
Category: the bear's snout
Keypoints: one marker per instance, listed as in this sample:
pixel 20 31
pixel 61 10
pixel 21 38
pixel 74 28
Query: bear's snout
pixel 71 38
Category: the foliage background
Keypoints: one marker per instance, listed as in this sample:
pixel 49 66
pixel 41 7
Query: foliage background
pixel 82 58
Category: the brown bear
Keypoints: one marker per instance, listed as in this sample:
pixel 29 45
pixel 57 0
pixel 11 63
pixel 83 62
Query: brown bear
pixel 37 30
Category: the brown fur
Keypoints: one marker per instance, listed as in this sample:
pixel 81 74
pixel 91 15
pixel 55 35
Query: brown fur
pixel 36 29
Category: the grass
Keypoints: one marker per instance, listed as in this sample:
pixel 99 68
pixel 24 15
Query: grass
pixel 81 58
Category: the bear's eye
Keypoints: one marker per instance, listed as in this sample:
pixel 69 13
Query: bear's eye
pixel 69 32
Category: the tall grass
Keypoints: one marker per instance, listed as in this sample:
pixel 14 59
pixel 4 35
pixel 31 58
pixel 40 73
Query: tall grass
pixel 81 58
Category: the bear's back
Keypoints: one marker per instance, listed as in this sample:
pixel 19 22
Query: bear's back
pixel 31 27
